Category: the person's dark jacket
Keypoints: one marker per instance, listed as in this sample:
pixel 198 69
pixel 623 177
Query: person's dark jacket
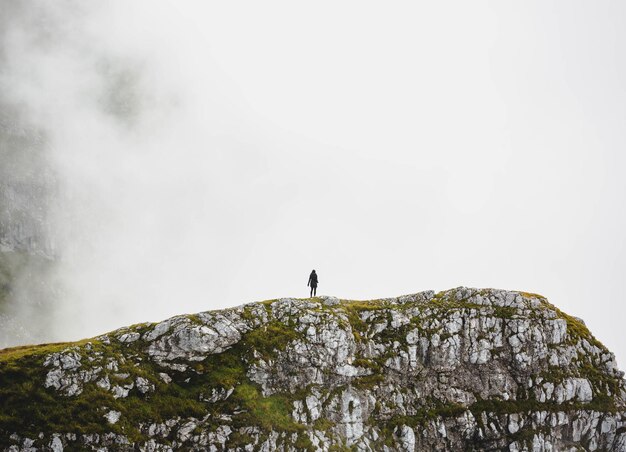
pixel 312 280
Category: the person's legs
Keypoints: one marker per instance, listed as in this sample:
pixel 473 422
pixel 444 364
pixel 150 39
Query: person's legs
pixel 315 291
pixel 311 295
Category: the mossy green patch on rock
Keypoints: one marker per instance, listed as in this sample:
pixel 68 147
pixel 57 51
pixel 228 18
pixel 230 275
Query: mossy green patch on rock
pixel 270 338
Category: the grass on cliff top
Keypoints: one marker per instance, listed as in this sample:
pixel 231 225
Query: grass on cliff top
pixel 14 354
pixel 29 408
pixel 576 328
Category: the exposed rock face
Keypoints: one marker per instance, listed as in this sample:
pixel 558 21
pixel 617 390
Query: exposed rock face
pixel 23 222
pixel 27 190
pixel 25 247
pixel 464 369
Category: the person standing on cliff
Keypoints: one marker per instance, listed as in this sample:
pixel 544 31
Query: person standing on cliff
pixel 313 283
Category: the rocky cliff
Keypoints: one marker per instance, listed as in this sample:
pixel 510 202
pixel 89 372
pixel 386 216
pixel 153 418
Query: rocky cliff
pixel 26 183
pixel 464 369
pixel 27 189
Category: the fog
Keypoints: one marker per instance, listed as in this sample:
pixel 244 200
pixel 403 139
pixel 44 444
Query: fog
pixel 201 155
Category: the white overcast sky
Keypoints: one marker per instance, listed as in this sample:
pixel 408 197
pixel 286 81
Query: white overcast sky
pixel 392 146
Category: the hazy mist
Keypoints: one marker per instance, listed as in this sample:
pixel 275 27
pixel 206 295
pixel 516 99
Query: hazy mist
pixel 200 155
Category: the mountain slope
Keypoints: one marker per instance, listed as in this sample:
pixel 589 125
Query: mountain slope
pixel 464 369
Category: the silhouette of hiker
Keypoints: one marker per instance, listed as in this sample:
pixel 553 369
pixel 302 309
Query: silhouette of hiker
pixel 313 283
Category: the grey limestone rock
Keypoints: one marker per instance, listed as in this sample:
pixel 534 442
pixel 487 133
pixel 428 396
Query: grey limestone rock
pixel 112 416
